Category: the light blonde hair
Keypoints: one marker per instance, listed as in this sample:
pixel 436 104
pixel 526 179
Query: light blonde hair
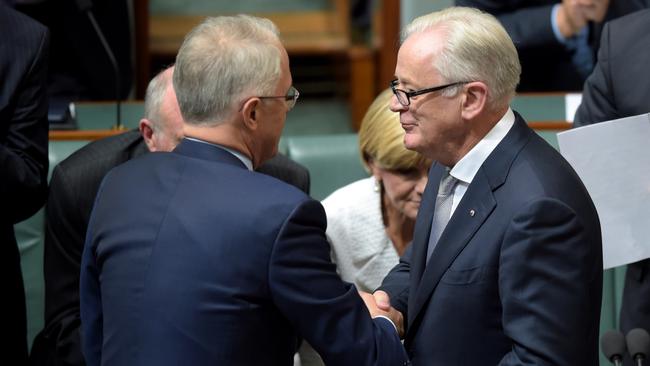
pixel 381 138
pixel 220 60
pixel 477 48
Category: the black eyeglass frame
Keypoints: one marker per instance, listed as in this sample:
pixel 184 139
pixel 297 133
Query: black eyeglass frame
pixel 409 95
pixel 292 97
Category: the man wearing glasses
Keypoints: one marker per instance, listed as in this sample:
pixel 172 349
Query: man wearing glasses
pixel 505 266
pixel 192 258
pixel 72 191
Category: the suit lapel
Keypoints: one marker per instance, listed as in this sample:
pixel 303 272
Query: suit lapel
pixel 463 224
pixel 478 198
pixel 423 227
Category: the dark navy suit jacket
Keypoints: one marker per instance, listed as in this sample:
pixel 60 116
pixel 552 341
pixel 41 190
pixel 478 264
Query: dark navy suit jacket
pixel 516 277
pixel 24 49
pixel 190 258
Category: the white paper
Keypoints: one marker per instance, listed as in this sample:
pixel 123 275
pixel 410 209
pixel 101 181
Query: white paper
pixel 613 160
pixel 571 103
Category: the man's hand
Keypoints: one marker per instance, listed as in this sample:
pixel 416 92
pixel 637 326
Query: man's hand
pixel 383 308
pixel 573 15
pixel 571 18
pixel 593 10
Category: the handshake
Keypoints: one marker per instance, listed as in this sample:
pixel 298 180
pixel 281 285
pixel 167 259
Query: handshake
pixel 378 304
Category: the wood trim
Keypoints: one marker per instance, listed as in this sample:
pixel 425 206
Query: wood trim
pixel 75 135
pixel 301 32
pixel 550 125
pixel 91 135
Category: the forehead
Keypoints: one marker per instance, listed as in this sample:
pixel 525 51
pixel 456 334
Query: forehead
pixel 417 54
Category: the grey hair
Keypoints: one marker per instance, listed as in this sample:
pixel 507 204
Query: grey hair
pixel 220 60
pixel 154 97
pixel 477 48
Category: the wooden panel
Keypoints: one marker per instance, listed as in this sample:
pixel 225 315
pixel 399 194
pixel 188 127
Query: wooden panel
pixel 362 83
pixel 389 43
pixel 310 32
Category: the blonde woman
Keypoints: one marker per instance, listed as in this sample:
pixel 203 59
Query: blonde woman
pixel 370 221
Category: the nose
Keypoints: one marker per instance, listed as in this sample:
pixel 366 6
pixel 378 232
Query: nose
pixel 395 105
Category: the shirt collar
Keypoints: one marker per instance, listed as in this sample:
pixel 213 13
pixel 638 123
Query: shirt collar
pixel 244 159
pixel 468 166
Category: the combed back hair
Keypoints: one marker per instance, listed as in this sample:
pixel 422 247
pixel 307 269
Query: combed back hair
pixel 477 48
pixel 222 59
pixel 154 97
pixel 381 138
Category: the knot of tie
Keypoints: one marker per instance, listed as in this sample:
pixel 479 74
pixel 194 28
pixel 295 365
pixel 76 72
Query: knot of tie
pixel 447 184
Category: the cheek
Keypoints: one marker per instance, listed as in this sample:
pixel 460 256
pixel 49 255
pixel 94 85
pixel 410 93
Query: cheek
pixel 397 190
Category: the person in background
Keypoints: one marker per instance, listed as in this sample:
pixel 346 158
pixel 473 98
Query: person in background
pixel 73 187
pixel 370 222
pixel 557 40
pixel 24 50
pixel 506 265
pixel 210 262
pixel 620 87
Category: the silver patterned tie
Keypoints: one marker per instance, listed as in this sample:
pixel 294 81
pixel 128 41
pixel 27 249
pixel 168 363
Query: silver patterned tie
pixel 442 210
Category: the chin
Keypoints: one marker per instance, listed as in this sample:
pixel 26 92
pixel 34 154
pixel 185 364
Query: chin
pixel 411 143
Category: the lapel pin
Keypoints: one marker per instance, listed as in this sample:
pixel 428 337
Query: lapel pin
pixel 472 213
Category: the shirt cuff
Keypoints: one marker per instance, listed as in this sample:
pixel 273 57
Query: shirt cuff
pixel 556 29
pixel 391 322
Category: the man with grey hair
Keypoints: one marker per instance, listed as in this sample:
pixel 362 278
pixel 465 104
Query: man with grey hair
pixel 73 188
pixel 209 262
pixel 505 266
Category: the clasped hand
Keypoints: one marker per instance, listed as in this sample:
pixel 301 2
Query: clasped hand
pixel 379 305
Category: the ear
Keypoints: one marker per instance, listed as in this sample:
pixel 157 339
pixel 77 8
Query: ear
pixel 474 99
pixel 374 169
pixel 146 130
pixel 250 113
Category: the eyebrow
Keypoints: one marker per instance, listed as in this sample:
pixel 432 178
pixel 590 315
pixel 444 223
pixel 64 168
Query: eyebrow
pixel 404 82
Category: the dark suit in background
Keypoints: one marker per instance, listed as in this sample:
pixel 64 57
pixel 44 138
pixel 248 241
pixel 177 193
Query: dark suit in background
pixel 546 63
pixel 73 188
pixel 521 249
pixel 620 87
pixel 23 160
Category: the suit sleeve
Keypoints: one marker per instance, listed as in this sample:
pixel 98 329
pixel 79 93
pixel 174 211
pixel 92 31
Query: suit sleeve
pixel 326 311
pixel 90 301
pixel 23 148
pixel 528 26
pixel 397 281
pixel 550 277
pixel 598 103
pixel 64 240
